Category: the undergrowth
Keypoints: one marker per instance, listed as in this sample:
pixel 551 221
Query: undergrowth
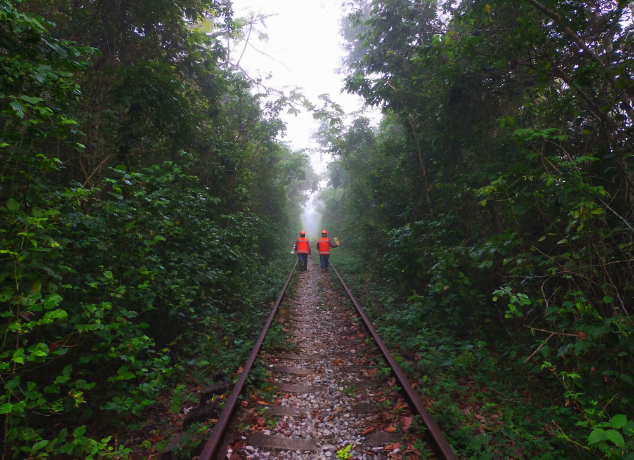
pixel 488 403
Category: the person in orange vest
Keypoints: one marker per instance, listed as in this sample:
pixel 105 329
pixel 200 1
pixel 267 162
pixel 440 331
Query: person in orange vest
pixel 323 246
pixel 302 248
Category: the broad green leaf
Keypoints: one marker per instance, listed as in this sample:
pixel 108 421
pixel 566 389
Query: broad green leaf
pixel 618 421
pixel 53 315
pixel 52 300
pixel 39 445
pixel 19 108
pixel 19 407
pixel 597 435
pixel 18 356
pixel 38 350
pixel 615 437
pixel 6 293
pixel 13 205
pixel 79 431
pixel 32 100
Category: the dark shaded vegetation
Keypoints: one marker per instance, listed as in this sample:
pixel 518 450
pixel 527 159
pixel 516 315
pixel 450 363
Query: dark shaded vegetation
pixel 493 209
pixel 143 196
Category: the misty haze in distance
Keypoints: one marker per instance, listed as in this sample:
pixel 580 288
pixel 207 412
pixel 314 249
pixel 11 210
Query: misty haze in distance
pixel 304 50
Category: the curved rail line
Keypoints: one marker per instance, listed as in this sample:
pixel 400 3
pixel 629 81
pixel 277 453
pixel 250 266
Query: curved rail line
pixel 215 440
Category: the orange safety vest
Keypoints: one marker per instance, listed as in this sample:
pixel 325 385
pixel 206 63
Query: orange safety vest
pixel 324 246
pixel 302 247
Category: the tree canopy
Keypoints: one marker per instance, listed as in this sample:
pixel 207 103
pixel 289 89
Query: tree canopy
pixel 496 193
pixel 145 197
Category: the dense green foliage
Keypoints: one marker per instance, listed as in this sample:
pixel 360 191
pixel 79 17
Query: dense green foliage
pixel 143 201
pixel 496 198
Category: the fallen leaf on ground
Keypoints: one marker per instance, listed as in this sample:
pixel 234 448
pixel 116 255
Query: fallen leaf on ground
pixel 390 429
pixel 368 431
pixel 407 423
pixel 400 404
pixel 156 438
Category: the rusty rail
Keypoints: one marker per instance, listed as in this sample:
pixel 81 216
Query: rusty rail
pixel 438 438
pixel 215 440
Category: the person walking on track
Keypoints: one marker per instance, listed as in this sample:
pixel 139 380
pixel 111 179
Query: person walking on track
pixel 302 247
pixel 323 246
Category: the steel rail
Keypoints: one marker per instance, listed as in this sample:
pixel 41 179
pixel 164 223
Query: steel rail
pixel 213 443
pixel 434 431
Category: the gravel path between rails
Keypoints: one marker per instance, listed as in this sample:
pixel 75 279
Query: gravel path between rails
pixel 329 389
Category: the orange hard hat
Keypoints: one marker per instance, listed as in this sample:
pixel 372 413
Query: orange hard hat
pixel 324 231
pixel 302 232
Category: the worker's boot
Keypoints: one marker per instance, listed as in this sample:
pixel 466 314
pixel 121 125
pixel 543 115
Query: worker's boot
pixel 305 265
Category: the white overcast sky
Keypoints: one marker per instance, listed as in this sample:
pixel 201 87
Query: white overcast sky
pixel 305 45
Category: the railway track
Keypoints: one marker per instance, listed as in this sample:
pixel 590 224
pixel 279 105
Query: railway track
pixel 338 386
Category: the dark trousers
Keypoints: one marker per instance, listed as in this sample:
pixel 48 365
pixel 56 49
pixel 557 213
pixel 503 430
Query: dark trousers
pixel 323 260
pixel 303 262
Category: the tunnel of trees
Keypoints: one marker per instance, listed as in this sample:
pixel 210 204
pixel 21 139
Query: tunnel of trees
pixel 147 200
